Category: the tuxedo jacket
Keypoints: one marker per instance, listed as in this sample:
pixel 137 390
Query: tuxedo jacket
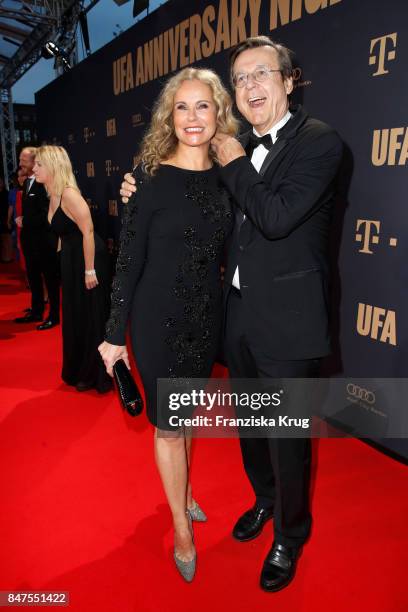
pixel 281 247
pixel 36 232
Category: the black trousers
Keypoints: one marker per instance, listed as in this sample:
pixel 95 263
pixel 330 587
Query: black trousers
pixel 278 468
pixel 42 261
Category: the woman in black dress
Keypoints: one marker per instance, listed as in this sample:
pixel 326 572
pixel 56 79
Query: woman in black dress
pixel 168 272
pixel 84 272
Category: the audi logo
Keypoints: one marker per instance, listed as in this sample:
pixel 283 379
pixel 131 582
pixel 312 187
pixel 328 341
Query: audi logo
pixel 360 393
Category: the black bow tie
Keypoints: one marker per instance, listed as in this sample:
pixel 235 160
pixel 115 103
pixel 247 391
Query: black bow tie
pixel 265 140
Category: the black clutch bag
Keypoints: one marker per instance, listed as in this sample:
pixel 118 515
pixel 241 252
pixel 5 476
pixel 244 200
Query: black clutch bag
pixel 129 393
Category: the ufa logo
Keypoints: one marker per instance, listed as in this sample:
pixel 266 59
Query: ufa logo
pixel 379 53
pixel 390 146
pixel 378 323
pixel 90 169
pixel 137 120
pixel 113 208
pixel 111 127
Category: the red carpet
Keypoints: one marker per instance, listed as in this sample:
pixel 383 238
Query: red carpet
pixel 82 509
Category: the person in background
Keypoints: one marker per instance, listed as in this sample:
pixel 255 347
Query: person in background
pixel 39 246
pixel 84 272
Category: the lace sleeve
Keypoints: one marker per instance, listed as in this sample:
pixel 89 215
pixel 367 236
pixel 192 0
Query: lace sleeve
pixel 129 266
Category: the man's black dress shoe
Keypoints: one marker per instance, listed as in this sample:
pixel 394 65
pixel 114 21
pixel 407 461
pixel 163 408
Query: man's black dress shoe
pixel 28 318
pixel 251 523
pixel 47 324
pixel 279 567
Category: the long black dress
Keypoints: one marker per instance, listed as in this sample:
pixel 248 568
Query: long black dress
pixel 84 311
pixel 168 276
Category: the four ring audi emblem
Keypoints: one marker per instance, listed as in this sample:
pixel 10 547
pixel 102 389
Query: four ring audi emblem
pixel 360 393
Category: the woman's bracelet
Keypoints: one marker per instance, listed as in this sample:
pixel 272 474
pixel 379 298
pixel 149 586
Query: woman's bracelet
pixel 90 272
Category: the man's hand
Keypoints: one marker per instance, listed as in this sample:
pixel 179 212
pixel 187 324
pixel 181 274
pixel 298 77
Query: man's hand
pixel 226 148
pixel 19 221
pixel 127 187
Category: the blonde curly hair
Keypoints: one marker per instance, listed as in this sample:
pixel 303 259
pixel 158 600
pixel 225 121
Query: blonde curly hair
pixel 160 141
pixel 57 161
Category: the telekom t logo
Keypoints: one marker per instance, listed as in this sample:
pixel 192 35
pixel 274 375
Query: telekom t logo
pixel 379 54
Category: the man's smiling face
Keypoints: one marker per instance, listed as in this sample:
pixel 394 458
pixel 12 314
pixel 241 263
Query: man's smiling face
pixel 262 104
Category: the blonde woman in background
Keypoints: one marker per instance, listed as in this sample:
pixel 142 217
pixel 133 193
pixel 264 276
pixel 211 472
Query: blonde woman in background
pixel 168 280
pixel 84 272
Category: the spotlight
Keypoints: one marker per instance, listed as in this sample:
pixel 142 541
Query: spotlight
pixel 51 50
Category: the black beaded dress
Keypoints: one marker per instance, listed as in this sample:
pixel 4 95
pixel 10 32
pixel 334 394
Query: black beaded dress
pixel 84 311
pixel 168 280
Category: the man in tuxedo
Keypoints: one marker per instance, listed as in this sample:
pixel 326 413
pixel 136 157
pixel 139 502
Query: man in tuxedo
pixel 39 246
pixel 280 175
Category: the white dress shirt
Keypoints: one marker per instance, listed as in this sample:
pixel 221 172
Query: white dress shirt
pixel 31 180
pixel 257 159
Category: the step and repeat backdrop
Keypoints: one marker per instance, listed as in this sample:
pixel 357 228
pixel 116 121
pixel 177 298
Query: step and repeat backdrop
pixel 350 72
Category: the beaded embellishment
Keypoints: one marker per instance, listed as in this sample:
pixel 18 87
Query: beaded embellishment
pixel 192 287
pixel 212 205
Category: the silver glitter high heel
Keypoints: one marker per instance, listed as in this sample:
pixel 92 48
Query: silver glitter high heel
pixel 197 513
pixel 186 568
